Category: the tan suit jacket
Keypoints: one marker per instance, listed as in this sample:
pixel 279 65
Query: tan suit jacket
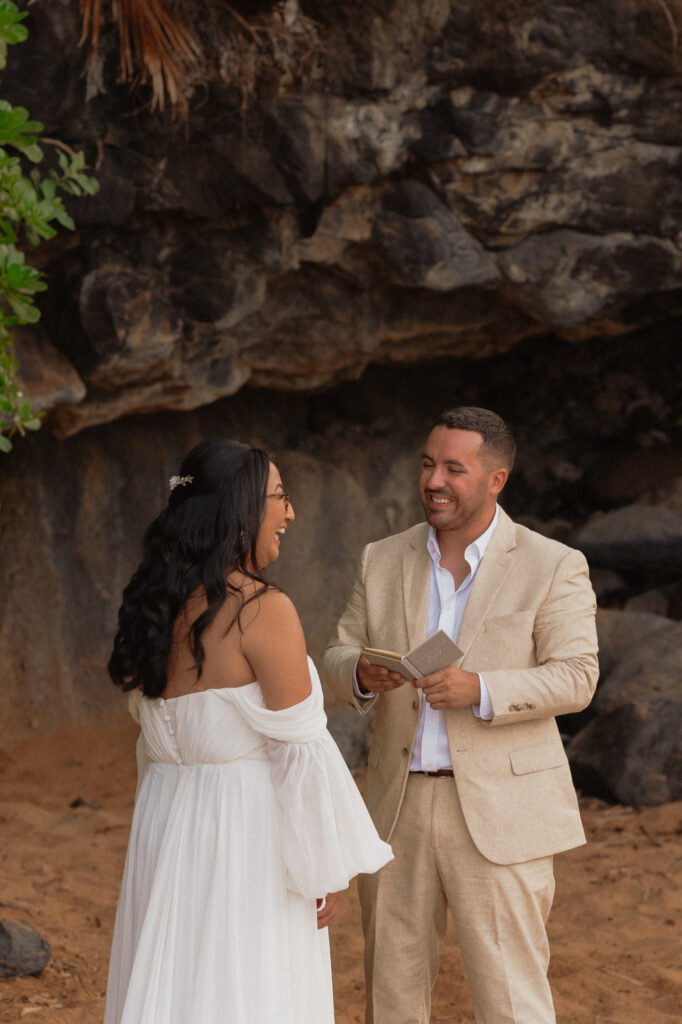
pixel 529 628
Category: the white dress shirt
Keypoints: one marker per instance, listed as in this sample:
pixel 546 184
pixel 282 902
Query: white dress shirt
pixel 447 605
pixel 446 611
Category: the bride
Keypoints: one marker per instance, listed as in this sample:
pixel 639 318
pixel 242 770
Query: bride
pixel 247 823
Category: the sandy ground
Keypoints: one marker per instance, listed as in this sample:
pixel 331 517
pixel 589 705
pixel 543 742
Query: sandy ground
pixel 65 806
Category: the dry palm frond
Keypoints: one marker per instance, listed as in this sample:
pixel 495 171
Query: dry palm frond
pixel 155 47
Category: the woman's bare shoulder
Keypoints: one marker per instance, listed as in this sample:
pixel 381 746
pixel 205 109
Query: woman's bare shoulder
pixel 267 608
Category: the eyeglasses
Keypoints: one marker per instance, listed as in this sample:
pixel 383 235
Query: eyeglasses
pixel 283 496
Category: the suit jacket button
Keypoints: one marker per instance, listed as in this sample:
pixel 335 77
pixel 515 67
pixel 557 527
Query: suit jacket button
pixel 415 704
pixel 406 751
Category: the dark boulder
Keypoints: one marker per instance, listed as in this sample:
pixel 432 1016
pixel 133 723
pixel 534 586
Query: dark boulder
pixel 630 752
pixel 641 539
pixel 22 950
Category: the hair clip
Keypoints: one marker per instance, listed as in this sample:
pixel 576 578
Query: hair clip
pixel 180 481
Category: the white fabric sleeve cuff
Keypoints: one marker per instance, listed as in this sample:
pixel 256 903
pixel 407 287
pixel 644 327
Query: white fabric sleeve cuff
pixel 357 692
pixel 483 710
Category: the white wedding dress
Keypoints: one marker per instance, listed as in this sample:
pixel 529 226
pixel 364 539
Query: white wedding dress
pixel 243 817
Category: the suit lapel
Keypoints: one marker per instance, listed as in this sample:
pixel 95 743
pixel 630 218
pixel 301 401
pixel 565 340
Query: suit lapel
pixel 416 567
pixel 492 572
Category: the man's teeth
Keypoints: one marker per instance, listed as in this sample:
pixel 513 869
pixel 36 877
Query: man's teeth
pixel 440 501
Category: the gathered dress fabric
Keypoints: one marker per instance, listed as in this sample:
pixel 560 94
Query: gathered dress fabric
pixel 243 818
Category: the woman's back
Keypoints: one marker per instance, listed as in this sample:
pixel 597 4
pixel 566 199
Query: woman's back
pixel 255 635
pixel 225 664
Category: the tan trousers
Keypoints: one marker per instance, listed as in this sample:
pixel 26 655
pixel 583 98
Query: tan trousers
pixel 499 914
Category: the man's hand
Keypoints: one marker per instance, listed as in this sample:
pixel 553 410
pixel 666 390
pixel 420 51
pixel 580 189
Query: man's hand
pixel 376 678
pixel 450 688
pixel 329 912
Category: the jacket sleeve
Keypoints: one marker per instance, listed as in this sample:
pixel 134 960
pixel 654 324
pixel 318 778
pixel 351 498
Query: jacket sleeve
pixel 344 648
pixel 564 632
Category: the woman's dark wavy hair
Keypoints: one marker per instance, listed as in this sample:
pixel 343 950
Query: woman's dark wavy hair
pixel 208 528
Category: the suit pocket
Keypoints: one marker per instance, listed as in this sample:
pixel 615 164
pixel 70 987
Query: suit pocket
pixel 373 756
pixel 537 759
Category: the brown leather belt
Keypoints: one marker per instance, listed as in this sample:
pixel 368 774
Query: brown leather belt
pixel 442 773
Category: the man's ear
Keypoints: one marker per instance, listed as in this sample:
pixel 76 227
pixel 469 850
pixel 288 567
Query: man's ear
pixel 497 480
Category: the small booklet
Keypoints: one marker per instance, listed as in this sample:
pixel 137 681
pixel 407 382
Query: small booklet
pixel 438 651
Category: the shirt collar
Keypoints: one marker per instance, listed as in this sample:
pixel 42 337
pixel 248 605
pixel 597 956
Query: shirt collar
pixel 474 552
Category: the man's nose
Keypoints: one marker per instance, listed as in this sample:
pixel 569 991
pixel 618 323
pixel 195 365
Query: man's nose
pixel 436 479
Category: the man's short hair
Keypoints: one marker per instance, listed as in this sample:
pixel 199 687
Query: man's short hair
pixel 498 440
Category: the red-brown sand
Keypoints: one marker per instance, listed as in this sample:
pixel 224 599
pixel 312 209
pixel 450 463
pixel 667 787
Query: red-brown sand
pixel 65 807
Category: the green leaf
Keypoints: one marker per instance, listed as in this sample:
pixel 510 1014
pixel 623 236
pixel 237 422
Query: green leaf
pixel 33 152
pixel 64 219
pixel 30 210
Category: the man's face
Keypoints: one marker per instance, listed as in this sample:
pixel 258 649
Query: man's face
pixel 455 486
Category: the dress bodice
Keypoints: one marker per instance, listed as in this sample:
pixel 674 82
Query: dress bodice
pixel 206 727
pixel 225 724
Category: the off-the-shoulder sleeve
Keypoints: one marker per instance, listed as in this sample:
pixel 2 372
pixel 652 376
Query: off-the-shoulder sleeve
pixel 141 756
pixel 327 834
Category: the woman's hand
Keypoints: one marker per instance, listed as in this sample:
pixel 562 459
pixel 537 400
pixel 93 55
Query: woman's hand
pixel 328 909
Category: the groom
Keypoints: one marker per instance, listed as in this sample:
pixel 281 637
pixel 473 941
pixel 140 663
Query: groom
pixel 467 776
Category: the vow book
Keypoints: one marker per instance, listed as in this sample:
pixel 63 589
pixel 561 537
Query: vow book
pixel 438 651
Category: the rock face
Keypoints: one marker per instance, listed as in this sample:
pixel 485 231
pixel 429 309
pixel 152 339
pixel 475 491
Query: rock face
pixel 355 183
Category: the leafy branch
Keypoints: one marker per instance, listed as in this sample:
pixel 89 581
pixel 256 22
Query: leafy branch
pixel 30 207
